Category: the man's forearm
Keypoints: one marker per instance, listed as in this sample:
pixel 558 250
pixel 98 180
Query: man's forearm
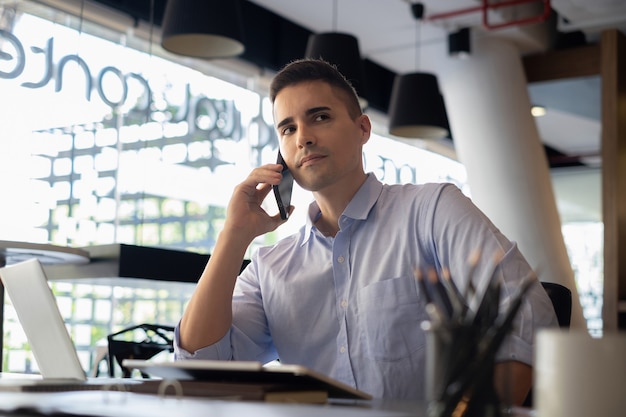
pixel 208 315
pixel 513 381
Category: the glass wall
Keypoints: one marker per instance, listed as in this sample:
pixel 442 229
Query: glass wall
pixel 579 199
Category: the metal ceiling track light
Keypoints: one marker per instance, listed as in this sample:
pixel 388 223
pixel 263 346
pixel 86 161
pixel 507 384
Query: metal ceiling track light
pixel 342 50
pixel 417 108
pixel 203 28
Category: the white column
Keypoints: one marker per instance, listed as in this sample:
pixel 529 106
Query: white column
pixel 497 140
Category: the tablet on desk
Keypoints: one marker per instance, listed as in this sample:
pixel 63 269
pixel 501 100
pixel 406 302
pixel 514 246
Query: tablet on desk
pixel 247 372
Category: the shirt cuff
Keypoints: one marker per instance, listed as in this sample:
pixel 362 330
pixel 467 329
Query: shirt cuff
pixel 220 350
pixel 514 348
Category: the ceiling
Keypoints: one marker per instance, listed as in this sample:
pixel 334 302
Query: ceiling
pixel 393 41
pixel 387 30
pixel 391 36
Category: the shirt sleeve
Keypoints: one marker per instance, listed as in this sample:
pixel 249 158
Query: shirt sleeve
pixel 460 230
pixel 217 351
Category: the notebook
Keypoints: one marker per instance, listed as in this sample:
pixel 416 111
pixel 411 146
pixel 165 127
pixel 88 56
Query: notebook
pixel 27 287
pixel 296 377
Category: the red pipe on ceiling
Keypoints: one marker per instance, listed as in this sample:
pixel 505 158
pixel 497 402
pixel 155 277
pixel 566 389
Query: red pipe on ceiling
pixel 486 6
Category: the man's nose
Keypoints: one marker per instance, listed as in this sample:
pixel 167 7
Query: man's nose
pixel 305 136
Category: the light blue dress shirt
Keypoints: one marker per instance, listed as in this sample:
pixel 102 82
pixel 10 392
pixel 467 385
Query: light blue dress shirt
pixel 350 307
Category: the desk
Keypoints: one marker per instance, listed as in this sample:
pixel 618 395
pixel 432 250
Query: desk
pixel 124 404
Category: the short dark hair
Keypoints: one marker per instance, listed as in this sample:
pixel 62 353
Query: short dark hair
pixel 308 69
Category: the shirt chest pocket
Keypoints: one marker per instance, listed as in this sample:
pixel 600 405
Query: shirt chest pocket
pixel 392 312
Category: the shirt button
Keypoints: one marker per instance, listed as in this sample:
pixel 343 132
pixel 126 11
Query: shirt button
pixel 342 349
pixel 341 259
pixel 344 304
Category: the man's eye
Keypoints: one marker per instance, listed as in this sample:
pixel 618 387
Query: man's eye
pixel 321 117
pixel 287 130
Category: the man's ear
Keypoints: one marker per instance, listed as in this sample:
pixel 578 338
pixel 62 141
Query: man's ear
pixel 366 128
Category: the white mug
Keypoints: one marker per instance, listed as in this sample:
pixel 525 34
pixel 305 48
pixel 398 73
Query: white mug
pixel 577 375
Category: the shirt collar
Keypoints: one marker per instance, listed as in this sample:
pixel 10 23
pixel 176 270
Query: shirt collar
pixel 358 208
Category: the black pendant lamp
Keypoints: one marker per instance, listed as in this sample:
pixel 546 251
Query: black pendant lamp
pixel 203 28
pixel 417 108
pixel 342 50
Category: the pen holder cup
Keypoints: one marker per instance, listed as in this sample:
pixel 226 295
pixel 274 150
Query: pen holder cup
pixel 434 363
pixel 459 378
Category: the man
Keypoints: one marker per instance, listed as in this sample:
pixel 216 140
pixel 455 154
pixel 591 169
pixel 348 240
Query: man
pixel 340 296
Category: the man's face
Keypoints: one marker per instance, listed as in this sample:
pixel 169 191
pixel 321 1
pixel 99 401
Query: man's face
pixel 320 142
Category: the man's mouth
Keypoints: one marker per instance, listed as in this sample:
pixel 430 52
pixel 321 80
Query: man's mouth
pixel 307 160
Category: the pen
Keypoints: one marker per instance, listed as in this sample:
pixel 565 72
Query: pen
pixel 419 276
pixel 459 304
pixel 440 293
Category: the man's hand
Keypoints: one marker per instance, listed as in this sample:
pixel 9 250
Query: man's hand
pixel 244 215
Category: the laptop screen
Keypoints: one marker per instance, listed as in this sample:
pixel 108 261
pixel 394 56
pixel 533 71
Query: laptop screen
pixel 30 294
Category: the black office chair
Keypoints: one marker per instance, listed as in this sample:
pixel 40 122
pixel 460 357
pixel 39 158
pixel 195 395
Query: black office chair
pixel 561 298
pixel 138 342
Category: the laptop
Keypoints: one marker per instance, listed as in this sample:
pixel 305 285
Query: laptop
pixel 27 286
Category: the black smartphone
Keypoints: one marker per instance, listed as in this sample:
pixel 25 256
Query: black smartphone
pixel 282 191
